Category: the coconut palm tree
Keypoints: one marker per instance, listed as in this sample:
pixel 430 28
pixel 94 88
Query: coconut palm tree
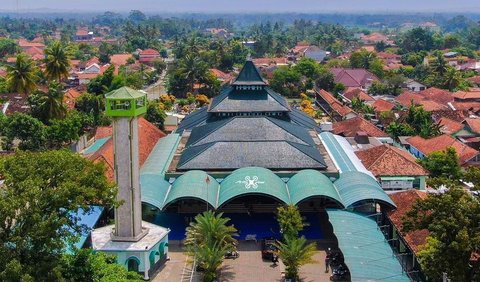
pixel 295 252
pixel 22 75
pixel 51 103
pixel 193 70
pixel 453 78
pixel 57 61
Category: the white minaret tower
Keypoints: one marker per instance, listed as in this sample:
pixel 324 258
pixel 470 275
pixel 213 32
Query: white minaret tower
pixel 124 106
pixel 139 246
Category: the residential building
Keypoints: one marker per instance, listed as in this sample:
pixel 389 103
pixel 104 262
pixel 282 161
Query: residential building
pixel 147 56
pixel 414 86
pixel 360 78
pixel 421 147
pixel 332 106
pixel 395 169
pixel 350 128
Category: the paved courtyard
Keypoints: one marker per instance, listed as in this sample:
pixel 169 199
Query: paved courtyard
pixel 248 267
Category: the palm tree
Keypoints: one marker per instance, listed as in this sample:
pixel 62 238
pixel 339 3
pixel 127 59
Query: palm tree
pixel 210 257
pixel 193 70
pixel 439 65
pixel 209 228
pixel 22 76
pixel 51 103
pixel 208 240
pixel 453 78
pixel 57 61
pixel 295 252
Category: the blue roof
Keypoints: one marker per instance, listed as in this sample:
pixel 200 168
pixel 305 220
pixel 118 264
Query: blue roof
pixel 96 145
pixel 355 187
pixel 367 254
pixel 85 220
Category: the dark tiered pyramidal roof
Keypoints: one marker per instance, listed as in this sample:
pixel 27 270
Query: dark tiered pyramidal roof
pixel 249 124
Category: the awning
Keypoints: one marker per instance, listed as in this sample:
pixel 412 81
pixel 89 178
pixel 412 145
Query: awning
pixel 367 254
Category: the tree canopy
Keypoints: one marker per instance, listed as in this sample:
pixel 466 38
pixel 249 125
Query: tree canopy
pixel 40 194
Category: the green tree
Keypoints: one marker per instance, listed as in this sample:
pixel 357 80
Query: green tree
pixel 155 114
pixel 27 129
pixel 287 81
pixel 7 47
pixel 57 61
pixel 417 39
pixel 454 234
pixel 290 220
pixel 295 252
pixel 22 75
pixel 443 164
pixel 62 132
pixel 86 266
pixel 40 195
pixel 397 129
pixel 91 105
pixel 51 105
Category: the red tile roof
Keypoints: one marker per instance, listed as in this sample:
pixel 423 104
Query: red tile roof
pixel 466 106
pixel 406 98
pixel 475 79
pixel 462 95
pixel 149 52
pixel 404 201
pixel 474 124
pixel 358 93
pixel 25 44
pixel 120 59
pixel 441 143
pixel 438 95
pixel 353 77
pixel 379 161
pixel 148 136
pixel 374 37
pixel 350 127
pixel 221 75
pixel 450 126
pixel 270 61
pixel 336 105
pixel 381 105
pixel 70 97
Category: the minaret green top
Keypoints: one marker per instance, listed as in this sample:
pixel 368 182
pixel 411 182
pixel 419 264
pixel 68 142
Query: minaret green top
pixel 125 102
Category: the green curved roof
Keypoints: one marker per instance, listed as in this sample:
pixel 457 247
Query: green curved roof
pixel 193 185
pixel 252 180
pixel 354 187
pixel 311 183
pixel 154 189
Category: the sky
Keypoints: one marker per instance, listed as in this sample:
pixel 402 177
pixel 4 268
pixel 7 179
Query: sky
pixel 218 6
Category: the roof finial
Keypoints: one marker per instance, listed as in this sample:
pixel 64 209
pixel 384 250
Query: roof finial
pixel 249 57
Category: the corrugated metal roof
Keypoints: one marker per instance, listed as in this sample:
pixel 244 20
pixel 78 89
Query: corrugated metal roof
pixel 252 180
pixel 355 187
pixel 367 254
pixel 193 185
pixel 342 153
pixel 124 93
pixel 153 184
pixel 311 183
